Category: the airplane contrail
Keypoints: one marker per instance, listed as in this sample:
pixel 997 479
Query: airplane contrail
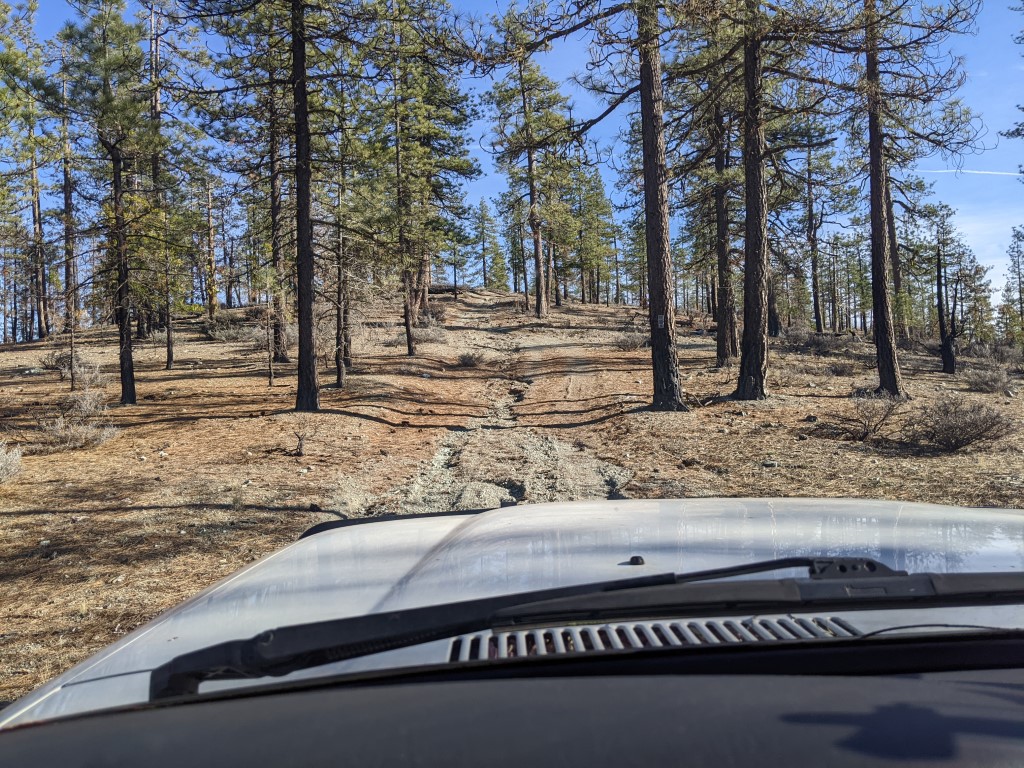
pixel 980 173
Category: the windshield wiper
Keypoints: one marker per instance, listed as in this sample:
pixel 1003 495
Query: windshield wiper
pixel 284 650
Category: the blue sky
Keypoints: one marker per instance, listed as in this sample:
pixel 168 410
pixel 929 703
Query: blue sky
pixel 987 194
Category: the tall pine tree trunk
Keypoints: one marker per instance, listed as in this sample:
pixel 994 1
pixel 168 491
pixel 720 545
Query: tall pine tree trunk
pixel 39 252
pixel 812 246
pixel 754 351
pixel 122 310
pixel 280 280
pixel 902 325
pixel 70 264
pixel 946 336
pixel 211 256
pixel 890 381
pixel 541 304
pixel 726 347
pixel 668 393
pixel 307 397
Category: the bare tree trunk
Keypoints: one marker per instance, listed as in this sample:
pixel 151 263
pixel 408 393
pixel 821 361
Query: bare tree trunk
pixel 122 311
pixel 410 340
pixel 889 377
pixel 726 347
pixel 902 328
pixel 70 263
pixel 552 277
pixel 307 397
pixel 39 252
pixel 541 304
pixel 280 341
pixel 340 299
pixel 812 246
pixel 946 337
pixel 211 256
pixel 754 351
pixel 668 392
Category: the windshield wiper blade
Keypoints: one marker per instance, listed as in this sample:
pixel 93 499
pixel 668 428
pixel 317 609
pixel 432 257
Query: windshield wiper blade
pixel 284 650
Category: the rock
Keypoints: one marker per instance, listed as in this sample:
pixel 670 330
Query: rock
pixel 426 375
pixel 303 471
pixel 162 454
pixel 44 542
pixel 245 483
pixel 769 464
pixel 801 437
pixel 811 419
pixel 479 495
pixel 314 507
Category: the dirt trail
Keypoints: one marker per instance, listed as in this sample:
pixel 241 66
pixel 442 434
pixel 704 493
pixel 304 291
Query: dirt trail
pixel 497 458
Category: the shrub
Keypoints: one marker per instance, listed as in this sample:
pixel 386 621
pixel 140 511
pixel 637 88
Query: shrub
pixel 434 314
pixel 470 359
pixel 430 335
pixel 841 368
pixel 991 380
pixel 226 328
pixel 820 344
pixel 10 462
pixel 871 412
pixel 80 421
pixel 60 360
pixel 89 376
pixel 632 341
pixel 305 427
pixel 258 337
pixel 954 423
pixel 57 360
pixel 1009 355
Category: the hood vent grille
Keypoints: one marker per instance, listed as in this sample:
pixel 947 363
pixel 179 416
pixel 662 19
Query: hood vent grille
pixel 595 638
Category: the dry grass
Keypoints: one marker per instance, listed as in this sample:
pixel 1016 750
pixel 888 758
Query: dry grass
pixel 202 475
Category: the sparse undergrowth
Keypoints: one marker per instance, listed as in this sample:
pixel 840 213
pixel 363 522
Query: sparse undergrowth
pixel 870 414
pixel 989 380
pixel 953 423
pixel 10 461
pixel 632 341
pixel 80 422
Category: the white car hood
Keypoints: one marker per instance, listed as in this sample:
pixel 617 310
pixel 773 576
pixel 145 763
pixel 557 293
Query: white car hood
pixel 381 566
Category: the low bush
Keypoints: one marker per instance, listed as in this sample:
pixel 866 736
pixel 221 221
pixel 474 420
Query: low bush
pixel 954 423
pixel 631 341
pixel 435 314
pixel 226 328
pixel 57 360
pixel 990 380
pixel 80 421
pixel 431 335
pixel 821 344
pixel 10 462
pixel 259 337
pixel 471 359
pixel 870 414
pixel 841 368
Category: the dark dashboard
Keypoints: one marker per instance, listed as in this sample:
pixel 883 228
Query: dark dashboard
pixel 965 718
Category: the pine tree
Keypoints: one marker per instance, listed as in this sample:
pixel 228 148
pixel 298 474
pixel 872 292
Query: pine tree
pixel 107 91
pixel 493 274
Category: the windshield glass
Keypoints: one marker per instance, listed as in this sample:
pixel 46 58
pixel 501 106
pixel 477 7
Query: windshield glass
pixel 708 283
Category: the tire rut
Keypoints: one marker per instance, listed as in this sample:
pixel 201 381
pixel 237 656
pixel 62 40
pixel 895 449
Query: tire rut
pixel 496 461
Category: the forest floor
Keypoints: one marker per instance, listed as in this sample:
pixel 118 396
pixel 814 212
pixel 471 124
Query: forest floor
pixel 202 475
